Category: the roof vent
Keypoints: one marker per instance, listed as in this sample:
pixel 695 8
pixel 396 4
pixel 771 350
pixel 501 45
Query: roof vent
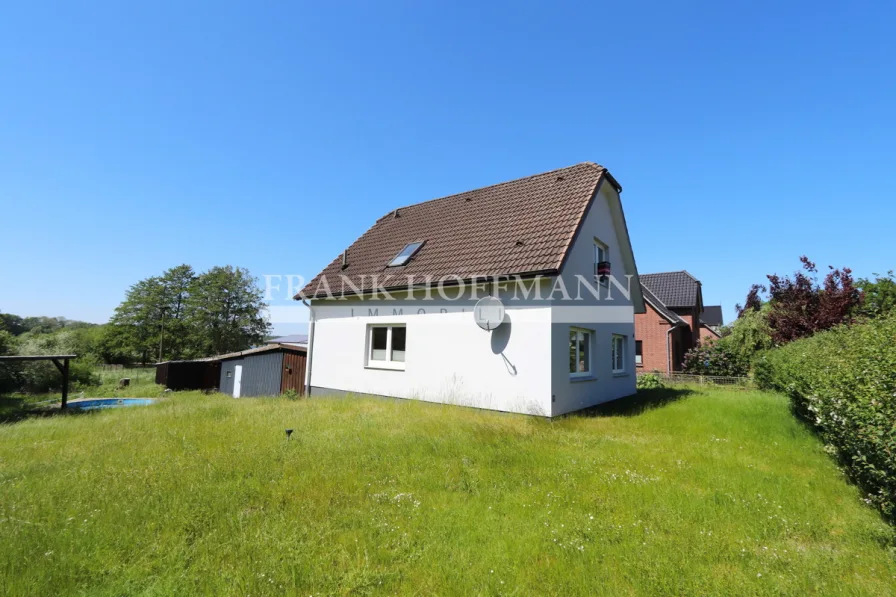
pixel 395 215
pixel 468 199
pixel 559 178
pixel 345 259
pixel 520 243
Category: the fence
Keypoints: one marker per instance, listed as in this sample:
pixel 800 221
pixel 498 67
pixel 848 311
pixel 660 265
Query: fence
pixel 104 367
pixel 714 380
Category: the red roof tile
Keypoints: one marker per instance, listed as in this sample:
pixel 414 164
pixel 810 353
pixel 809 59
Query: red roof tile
pixel 524 226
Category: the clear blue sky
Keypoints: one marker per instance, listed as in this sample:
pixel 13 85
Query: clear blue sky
pixel 138 136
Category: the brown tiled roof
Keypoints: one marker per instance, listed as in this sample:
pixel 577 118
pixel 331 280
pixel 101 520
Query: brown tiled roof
pixel 670 316
pixel 674 289
pixel 524 226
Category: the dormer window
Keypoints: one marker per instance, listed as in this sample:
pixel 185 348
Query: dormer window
pixel 405 254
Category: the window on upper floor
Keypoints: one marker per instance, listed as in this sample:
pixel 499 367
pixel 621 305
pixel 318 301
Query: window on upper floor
pixel 601 256
pixel 639 348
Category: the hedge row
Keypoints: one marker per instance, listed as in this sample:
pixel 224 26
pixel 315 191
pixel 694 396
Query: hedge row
pixel 844 382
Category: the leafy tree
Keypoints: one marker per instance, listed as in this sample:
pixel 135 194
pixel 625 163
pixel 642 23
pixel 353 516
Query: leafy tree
pixel 6 343
pixel 42 376
pixel 878 296
pixel 13 324
pixel 753 302
pixel 749 334
pixel 8 371
pixel 154 310
pixel 226 311
pixel 800 306
pixel 138 318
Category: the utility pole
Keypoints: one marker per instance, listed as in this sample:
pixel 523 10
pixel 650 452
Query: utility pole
pixel 162 333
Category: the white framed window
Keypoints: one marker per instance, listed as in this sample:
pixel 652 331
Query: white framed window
pixel 386 346
pixel 618 353
pixel 639 352
pixel 580 352
pixel 601 254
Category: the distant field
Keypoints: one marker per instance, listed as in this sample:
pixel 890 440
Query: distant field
pixel 714 492
pixel 137 375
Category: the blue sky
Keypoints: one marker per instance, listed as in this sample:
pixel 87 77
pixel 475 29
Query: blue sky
pixel 138 136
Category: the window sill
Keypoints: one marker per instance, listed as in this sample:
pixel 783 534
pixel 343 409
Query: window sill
pixel 385 365
pixel 621 374
pixel 580 378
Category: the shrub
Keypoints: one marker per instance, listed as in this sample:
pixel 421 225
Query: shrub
pixel 844 382
pixel 649 381
pixel 715 358
pixel 290 394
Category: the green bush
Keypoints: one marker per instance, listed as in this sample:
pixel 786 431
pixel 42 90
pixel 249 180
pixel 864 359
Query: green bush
pixel 715 358
pixel 844 382
pixel 649 381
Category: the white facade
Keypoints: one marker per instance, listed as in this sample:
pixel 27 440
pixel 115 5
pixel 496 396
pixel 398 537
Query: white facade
pixel 523 366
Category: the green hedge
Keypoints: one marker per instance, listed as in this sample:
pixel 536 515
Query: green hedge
pixel 844 382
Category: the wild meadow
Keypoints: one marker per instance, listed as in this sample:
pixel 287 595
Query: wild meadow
pixel 680 492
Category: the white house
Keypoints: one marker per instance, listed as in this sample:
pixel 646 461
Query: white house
pixel 394 314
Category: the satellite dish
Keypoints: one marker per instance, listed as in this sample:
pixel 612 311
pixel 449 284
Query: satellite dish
pixel 489 313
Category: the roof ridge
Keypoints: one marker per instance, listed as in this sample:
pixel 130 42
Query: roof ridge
pixel 677 271
pixel 692 276
pixel 491 186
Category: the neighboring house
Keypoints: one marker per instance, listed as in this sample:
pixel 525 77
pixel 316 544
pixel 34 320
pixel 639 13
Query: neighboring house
pixel 671 324
pixel 711 323
pixel 292 340
pixel 394 314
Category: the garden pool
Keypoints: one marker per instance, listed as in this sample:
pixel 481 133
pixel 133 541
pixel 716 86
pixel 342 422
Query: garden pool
pixel 98 403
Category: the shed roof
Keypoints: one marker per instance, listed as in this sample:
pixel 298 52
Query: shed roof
pixel 290 339
pixel 259 350
pixel 242 353
pixel 521 227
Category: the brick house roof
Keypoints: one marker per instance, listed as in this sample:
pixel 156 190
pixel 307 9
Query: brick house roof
pixel 520 227
pixel 657 304
pixel 712 315
pixel 673 289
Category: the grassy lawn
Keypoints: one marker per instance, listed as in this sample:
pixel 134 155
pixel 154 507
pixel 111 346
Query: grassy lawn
pixel 711 492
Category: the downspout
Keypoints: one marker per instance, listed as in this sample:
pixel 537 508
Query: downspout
pixel 310 350
pixel 669 348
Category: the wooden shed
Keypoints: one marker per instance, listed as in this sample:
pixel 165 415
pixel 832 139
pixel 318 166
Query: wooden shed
pixel 202 374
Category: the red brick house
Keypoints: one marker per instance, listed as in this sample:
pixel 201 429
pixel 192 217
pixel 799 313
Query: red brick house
pixel 674 321
pixel 711 323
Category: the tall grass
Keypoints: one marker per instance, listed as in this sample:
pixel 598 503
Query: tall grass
pixel 717 492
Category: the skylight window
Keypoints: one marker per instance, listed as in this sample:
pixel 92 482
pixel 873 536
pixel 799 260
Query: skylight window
pixel 405 254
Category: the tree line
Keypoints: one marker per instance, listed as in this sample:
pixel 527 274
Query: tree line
pixel 180 314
